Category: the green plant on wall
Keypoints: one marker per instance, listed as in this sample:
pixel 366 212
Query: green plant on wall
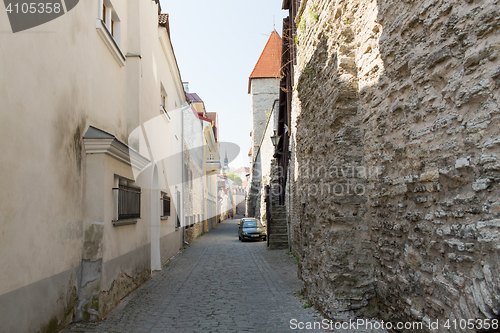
pixel 302 24
pixel 313 13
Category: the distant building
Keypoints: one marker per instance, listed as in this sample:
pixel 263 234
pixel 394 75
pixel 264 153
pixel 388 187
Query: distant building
pixel 225 166
pixel 243 173
pixel 263 87
pixel 210 151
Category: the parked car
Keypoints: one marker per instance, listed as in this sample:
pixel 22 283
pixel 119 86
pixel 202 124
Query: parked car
pixel 251 228
pixel 246 218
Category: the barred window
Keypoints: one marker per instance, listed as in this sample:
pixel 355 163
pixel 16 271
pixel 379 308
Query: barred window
pixel 165 203
pixel 127 200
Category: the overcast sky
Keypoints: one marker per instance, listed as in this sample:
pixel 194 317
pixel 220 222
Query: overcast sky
pixel 217 44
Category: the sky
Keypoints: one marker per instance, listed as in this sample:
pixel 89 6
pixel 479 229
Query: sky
pixel 217 44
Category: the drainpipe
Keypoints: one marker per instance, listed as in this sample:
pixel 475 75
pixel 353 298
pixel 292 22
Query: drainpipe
pixel 206 188
pixel 155 220
pixel 183 180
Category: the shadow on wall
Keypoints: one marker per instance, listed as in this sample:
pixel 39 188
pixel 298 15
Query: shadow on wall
pixel 330 149
pixel 397 158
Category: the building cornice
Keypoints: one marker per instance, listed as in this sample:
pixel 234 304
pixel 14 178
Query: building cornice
pixel 117 150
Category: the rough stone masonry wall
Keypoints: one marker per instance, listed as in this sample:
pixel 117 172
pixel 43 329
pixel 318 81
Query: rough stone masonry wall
pixel 411 89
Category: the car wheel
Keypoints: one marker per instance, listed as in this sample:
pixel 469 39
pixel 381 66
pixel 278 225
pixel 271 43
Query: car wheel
pixel 265 238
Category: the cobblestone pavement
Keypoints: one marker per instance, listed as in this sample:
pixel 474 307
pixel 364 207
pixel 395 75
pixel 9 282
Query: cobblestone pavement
pixel 217 284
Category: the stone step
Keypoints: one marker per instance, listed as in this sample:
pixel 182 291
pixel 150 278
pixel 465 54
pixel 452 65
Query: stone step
pixel 279 225
pixel 279 210
pixel 277 245
pixel 278 237
pixel 278 231
pixel 279 216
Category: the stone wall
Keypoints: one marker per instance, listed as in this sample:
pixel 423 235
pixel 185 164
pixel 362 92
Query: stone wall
pixel 260 172
pixel 263 93
pixel 195 231
pixel 393 194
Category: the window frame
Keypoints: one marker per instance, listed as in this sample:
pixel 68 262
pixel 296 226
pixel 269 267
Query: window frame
pixel 124 192
pixel 178 199
pixel 164 198
pixel 108 26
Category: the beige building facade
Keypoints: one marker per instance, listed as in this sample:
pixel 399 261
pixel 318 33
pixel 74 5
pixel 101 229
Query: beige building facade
pixel 92 140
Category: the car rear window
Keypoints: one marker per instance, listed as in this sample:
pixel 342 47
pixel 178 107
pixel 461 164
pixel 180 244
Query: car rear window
pixel 251 224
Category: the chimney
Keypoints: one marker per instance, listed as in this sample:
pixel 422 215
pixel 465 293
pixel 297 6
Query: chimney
pixel 186 87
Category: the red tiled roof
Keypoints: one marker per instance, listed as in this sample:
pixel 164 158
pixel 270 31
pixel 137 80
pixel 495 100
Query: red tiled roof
pixel 243 169
pixel 164 22
pixel 250 152
pixel 162 19
pixel 269 63
pixel 208 120
pixel 193 98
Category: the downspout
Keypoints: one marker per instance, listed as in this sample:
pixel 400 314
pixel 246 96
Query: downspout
pixel 183 180
pixel 206 188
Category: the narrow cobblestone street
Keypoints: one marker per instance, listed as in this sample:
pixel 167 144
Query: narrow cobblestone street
pixel 218 284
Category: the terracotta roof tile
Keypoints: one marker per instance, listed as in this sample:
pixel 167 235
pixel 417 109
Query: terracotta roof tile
pixel 163 19
pixel 193 98
pixel 269 63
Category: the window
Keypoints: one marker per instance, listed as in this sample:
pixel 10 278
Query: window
pixel 165 204
pixel 127 198
pixel 164 101
pixel 129 202
pixel 109 28
pixel 110 19
pixel 178 225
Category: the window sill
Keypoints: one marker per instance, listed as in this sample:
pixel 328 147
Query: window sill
pixel 110 42
pixel 164 111
pixel 163 218
pixel 119 223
